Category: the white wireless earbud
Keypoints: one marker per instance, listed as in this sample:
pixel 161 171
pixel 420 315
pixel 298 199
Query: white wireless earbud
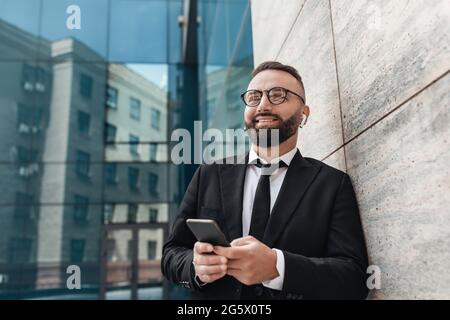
pixel 306 120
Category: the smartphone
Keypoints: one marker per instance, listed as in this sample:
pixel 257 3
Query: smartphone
pixel 206 230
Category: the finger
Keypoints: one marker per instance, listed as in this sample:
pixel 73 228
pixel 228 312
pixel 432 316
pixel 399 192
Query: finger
pixel 207 259
pixel 203 247
pixel 236 264
pixel 229 252
pixel 212 277
pixel 207 270
pixel 223 251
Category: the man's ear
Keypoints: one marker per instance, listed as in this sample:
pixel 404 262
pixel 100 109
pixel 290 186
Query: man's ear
pixel 305 113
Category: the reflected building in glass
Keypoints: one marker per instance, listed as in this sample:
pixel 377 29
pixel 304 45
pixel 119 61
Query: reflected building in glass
pixel 25 95
pixel 85 125
pixel 69 210
pixel 88 139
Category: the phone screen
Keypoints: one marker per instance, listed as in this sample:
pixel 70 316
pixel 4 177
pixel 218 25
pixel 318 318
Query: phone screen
pixel 208 231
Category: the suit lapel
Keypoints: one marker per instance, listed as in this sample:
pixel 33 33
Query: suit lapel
pixel 232 178
pixel 298 177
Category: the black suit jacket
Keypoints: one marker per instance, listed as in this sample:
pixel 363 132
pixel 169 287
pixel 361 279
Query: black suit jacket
pixel 315 222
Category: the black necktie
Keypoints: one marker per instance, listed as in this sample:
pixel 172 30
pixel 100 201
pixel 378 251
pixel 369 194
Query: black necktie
pixel 261 203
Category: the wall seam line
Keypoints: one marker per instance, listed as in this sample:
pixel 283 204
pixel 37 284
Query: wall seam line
pixel 337 83
pixel 290 31
pixel 390 112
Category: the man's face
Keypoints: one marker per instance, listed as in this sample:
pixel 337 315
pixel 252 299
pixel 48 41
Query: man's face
pixel 285 117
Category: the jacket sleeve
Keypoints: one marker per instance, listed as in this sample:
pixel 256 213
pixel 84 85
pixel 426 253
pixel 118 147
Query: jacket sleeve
pixel 176 262
pixel 341 273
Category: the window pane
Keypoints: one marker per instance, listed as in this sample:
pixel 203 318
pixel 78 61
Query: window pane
pixel 156 115
pixel 133 178
pixel 134 144
pixel 80 209
pixel 108 213
pixel 86 86
pixel 153 184
pixel 77 250
pixel 25 118
pixel 135 109
pixel 153 215
pixel 142 88
pixel 152 151
pixel 35 79
pixel 84 121
pixel 111 97
pixel 110 133
pixel 111 172
pixel 132 213
pixel 151 250
pixel 83 164
pixel 92 34
pixel 19 20
pixel 142 38
pixel 58 110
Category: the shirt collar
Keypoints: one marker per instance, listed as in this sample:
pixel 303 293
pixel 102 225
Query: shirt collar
pixel 286 158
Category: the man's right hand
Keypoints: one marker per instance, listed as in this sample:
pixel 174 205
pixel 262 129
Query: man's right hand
pixel 209 266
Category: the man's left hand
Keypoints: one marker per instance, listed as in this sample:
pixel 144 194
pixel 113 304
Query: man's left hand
pixel 249 260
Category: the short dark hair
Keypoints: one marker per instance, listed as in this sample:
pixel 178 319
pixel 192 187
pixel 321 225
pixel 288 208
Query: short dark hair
pixel 275 65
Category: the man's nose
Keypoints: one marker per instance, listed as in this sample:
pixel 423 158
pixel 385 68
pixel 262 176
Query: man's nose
pixel 264 105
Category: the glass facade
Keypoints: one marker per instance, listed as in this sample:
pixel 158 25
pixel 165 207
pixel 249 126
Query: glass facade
pixel 86 117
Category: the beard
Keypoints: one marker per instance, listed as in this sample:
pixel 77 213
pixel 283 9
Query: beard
pixel 268 137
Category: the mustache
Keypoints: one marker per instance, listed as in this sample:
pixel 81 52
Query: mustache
pixel 266 115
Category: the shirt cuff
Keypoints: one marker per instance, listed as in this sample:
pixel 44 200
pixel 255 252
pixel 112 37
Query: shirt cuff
pixel 277 283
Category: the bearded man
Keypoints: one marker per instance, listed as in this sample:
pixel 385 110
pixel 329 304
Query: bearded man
pixel 293 221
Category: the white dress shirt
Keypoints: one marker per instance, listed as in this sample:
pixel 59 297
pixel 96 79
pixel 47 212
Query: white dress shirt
pixel 252 175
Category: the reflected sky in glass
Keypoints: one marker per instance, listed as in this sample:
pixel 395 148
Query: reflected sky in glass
pixel 93 32
pixel 156 73
pixel 221 29
pixel 139 31
pixel 21 13
pixel 118 30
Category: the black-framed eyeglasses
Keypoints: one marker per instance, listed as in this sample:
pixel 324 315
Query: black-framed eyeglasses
pixel 276 95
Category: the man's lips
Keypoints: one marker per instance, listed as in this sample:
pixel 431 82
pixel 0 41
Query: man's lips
pixel 265 119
